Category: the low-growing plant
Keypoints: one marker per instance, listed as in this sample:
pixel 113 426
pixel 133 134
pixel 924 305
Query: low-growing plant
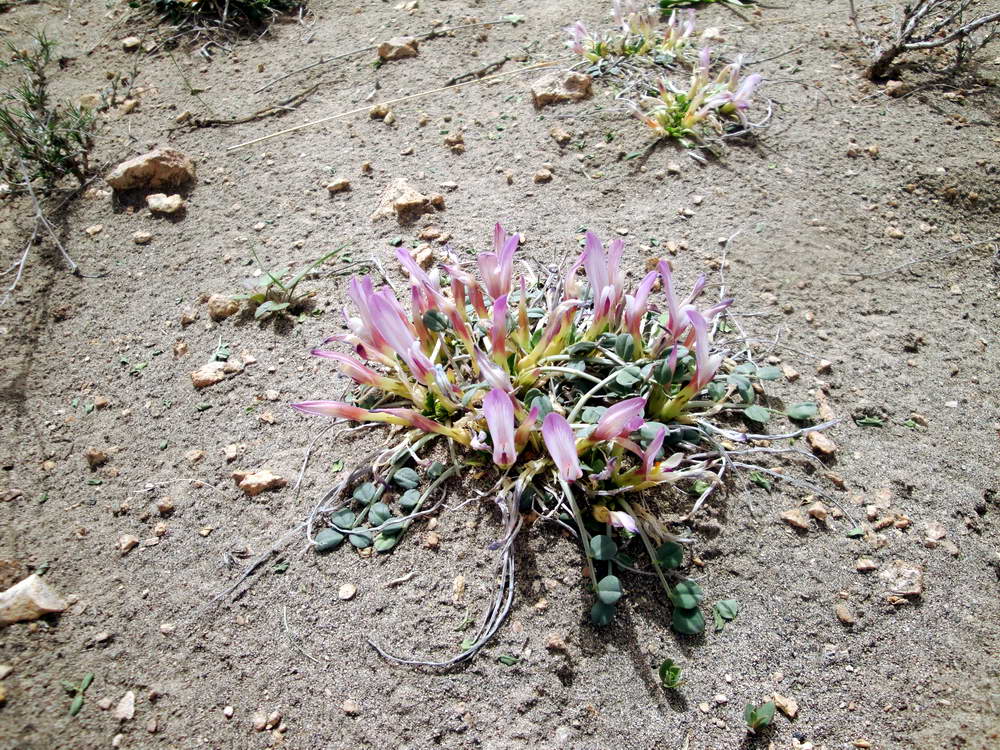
pixel 673 4
pixel 670 675
pixel 40 139
pixel 582 396
pixel 274 291
pixel 218 14
pixel 713 100
pixel 930 25
pixel 758 717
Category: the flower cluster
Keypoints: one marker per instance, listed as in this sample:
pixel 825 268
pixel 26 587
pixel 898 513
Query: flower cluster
pixel 637 34
pixel 578 387
pixel 707 101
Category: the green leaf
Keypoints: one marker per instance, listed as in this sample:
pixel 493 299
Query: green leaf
pixel 385 543
pixel 436 470
pixel 544 405
pixel 769 373
pixel 336 466
pixel 688 621
pixel 507 660
pixel 869 422
pixel 280 567
pixel 625 346
pixel 269 307
pixel 804 410
pixel 747 368
pixel 360 539
pixel 757 414
pixel 365 493
pixel 593 414
pixel 757 718
pixel 670 555
pixel 328 540
pixel 856 533
pixel 436 321
pixel 76 705
pixel 393 528
pixel 724 611
pixel 406 478
pixel 602 614
pixel 409 499
pixel 609 589
pixel 581 347
pixel 628 377
pixel 743 387
pixel 379 513
pixel 686 594
pixel 513 19
pixel 670 674
pixel 603 547
pixel 760 480
pixel 344 518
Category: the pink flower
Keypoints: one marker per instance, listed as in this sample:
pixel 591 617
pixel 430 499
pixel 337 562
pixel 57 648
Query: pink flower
pixel 677 322
pixel 605 274
pixel 705 365
pixel 623 520
pixel 561 444
pixel 358 372
pixel 499 411
pixel 498 267
pixel 498 332
pixel 620 420
pixel 651 452
pixel 525 429
pixel 336 409
pixel 635 307
pixel 494 375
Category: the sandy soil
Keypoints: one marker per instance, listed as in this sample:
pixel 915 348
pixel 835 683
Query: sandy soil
pixel 811 203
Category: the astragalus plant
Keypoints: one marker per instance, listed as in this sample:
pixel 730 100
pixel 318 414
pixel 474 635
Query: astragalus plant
pixel 587 397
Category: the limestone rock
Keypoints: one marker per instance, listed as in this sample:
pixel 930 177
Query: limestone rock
pixel 398 48
pixel 131 43
pixel 208 374
pixel 560 135
pixel 164 167
pixel 221 307
pixel 125 709
pixel 142 238
pixel 160 203
pixel 560 86
pixel 903 578
pixel 788 706
pixel 29 600
pixel 339 186
pixel 256 482
pixel 402 200
pixel 821 444
pixel 796 518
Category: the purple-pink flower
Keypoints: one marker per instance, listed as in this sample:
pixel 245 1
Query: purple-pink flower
pixel 498 267
pixel 620 420
pixel 705 365
pixel 499 411
pixel 561 444
pixel 605 274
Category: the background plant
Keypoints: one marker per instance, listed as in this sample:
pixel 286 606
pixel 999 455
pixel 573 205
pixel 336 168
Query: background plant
pixel 927 25
pixel 219 14
pixel 274 291
pixel 584 397
pixel 40 139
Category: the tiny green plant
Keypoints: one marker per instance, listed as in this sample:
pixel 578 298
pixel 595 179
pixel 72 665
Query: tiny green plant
pixel 758 717
pixel 274 292
pixel 77 690
pixel 40 139
pixel 670 675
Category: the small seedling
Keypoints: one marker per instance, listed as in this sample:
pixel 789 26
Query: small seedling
pixel 758 717
pixel 274 292
pixel 77 691
pixel 670 675
pixel 725 611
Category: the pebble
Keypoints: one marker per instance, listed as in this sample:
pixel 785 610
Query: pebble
pixel 131 43
pixel 788 706
pixel 845 614
pixel 432 540
pixel 221 306
pixel 160 203
pixel 94 229
pixel 795 518
pixel 560 135
pixel 934 532
pixel 351 707
pixel 704 707
pixel 542 175
pixel 208 374
pixel 255 482
pixel 821 444
pixel 260 721
pixel 273 720
pixel 230 452
pixel 790 373
pixel 142 238
pixel 194 455
pixel 347 592
pixel 125 709
pixel 188 316
pixel 818 511
pixel 151 726
pixel 895 233
pixel 165 506
pixel 95 457
pixel 555 642
pixel 228 712
pixel 104 704
pixel 127 542
pixel 721 699
pixel 919 419
pixel 865 565
pixel 339 186
pixel 167 628
pixel 903 578
pixel 824 366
